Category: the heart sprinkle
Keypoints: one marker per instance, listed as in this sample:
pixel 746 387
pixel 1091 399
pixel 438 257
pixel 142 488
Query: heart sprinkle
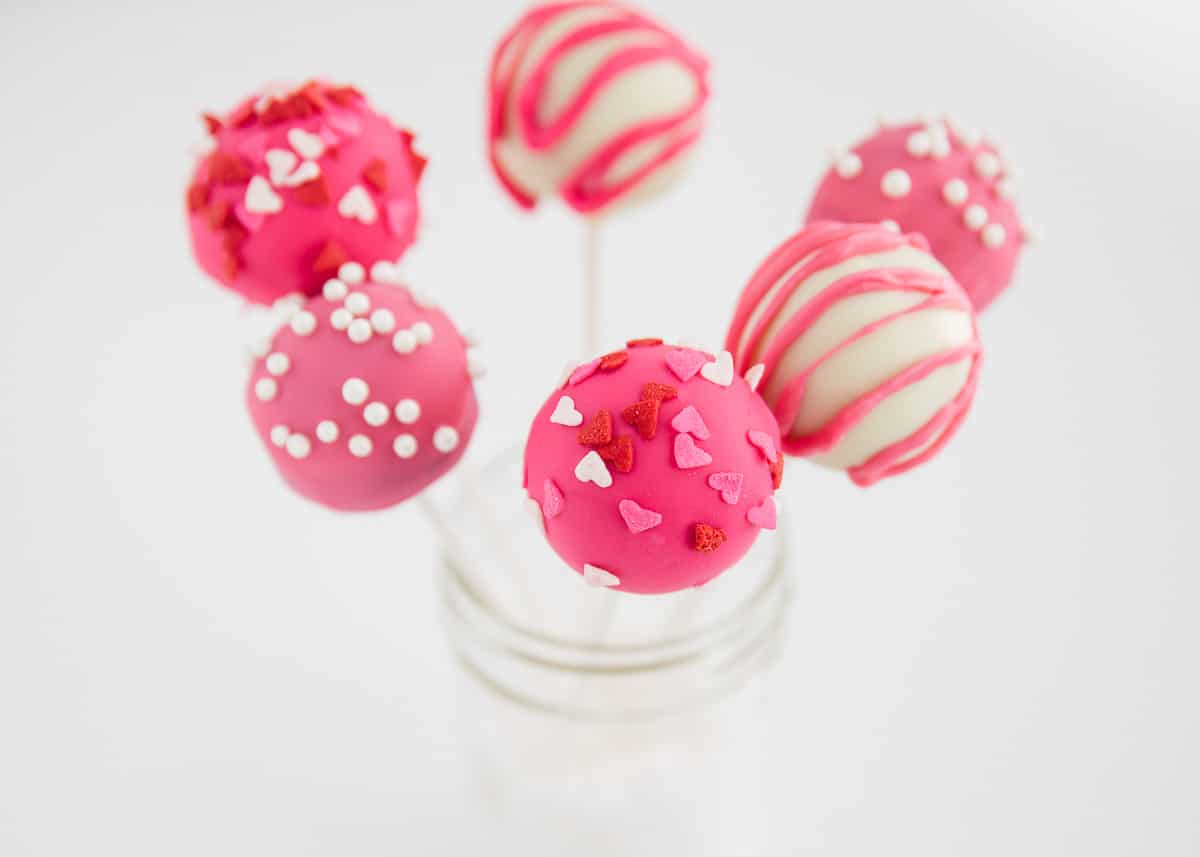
pixel 261 199
pixel 331 257
pixel 643 343
pixel 754 375
pixel 400 216
pixel 612 361
pixel 599 431
pixel 720 371
pixel 643 416
pixel 729 484
pixel 619 453
pixel 762 515
pixel 689 420
pixel 765 445
pixel 565 413
pixel 777 472
pixel 707 538
pixel 593 575
pixel 309 146
pixel 662 392
pixel 591 468
pixel 375 174
pixel 688 455
pixel 637 518
pixel 357 204
pixel 552 499
pixel 685 362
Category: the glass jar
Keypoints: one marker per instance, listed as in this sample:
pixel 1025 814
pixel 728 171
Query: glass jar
pixel 601 722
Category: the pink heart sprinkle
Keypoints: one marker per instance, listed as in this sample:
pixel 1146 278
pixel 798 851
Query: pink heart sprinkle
pixel 690 421
pixel 253 221
pixel 582 373
pixel 399 214
pixel 346 124
pixel 685 362
pixel 762 515
pixel 688 455
pixel 637 518
pixel 254 148
pixel 729 484
pixel 764 443
pixel 552 499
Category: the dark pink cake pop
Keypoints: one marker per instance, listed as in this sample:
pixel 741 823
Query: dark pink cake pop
pixel 364 396
pixel 942 181
pixel 297 182
pixel 654 467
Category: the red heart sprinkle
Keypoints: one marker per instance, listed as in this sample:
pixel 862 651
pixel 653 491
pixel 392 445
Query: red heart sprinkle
pixel 227 168
pixel 777 472
pixel 211 122
pixel 343 96
pixel 708 538
pixel 418 162
pixel 331 257
pixel 197 197
pixel 643 343
pixel 612 361
pixel 599 431
pixel 313 192
pixel 218 213
pixel 643 416
pixel 619 453
pixel 662 392
pixel 375 174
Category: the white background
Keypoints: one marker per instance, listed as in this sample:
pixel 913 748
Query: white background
pixel 993 656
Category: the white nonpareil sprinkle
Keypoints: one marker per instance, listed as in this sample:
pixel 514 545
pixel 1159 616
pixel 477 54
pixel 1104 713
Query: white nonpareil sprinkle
pixel 376 413
pixel 408 411
pixel 358 303
pixel 1005 189
pixel 445 439
pixel 327 431
pixel 340 318
pixel 993 235
pixel 848 165
pixel 955 192
pixel 279 435
pixel 918 144
pixel 355 391
pixel 404 342
pixel 974 216
pixel 298 446
pixel 423 332
pixel 895 184
pixel 352 273
pixel 405 445
pixel 890 225
pixel 334 290
pixel 422 298
pixel 475 367
pixel 360 445
pixel 383 321
pixel 303 323
pixel 986 165
pixel 360 331
pixel 386 272
pixel 278 363
pixel 265 389
pixel 260 348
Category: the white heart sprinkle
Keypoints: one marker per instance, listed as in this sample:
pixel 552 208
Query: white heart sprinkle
pixel 591 468
pixel 261 199
pixel 327 431
pixel 306 172
pixel 565 413
pixel 308 145
pixel 423 332
pixel 360 331
pixel 334 290
pixel 408 411
pixel 376 414
pixel 593 575
pixel 445 439
pixel 303 323
pixel 404 342
pixel 355 391
pixel 383 321
pixel 280 162
pixel 754 375
pixel 279 435
pixel 720 371
pixel 298 446
pixel 358 303
pixel 360 445
pixel 278 364
pixel 386 272
pixel 340 318
pixel 357 204
pixel 405 445
pixel 265 389
pixel 352 273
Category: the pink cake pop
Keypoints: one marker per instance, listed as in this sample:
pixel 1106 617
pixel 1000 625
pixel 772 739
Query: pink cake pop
pixel 591 100
pixel 297 182
pixel 653 468
pixel 942 181
pixel 866 346
pixel 364 396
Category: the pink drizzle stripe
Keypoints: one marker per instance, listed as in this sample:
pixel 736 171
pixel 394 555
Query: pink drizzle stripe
pixel 587 189
pixel 829 244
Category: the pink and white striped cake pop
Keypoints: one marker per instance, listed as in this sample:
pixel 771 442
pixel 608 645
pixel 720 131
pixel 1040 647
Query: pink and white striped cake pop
pixel 653 468
pixel 867 347
pixel 364 396
pixel 591 100
pixel 942 181
pixel 297 182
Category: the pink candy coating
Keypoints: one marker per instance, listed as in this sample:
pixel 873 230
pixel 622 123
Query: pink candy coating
pixel 594 529
pixel 857 195
pixel 276 140
pixel 419 398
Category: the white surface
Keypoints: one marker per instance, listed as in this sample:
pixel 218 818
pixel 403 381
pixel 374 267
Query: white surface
pixel 993 656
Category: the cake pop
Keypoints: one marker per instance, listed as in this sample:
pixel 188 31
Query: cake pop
pixel 364 396
pixel 297 182
pixel 591 100
pixel 866 346
pixel 942 181
pixel 653 468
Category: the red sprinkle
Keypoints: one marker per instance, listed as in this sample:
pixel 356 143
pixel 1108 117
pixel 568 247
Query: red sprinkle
pixel 331 257
pixel 233 234
pixel 218 213
pixel 343 96
pixel 708 538
pixel 376 174
pixel 777 472
pixel 418 162
pixel 612 361
pixel 662 392
pixel 643 416
pixel 212 123
pixel 197 197
pixel 619 453
pixel 643 343
pixel 230 267
pixel 599 431
pixel 227 168
pixel 313 192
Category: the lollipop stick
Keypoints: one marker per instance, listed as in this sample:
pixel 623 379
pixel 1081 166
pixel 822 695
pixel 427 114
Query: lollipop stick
pixel 591 288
